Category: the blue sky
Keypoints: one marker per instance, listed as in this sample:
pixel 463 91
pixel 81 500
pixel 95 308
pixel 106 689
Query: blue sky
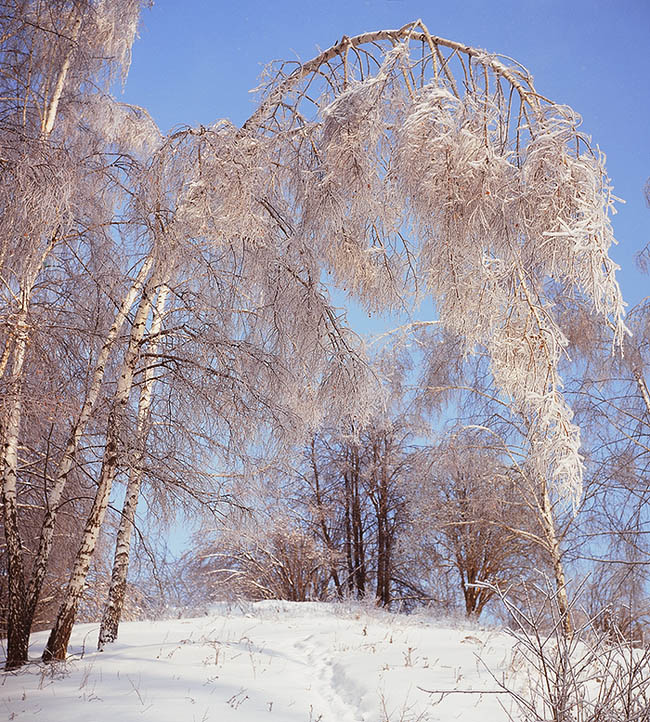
pixel 196 60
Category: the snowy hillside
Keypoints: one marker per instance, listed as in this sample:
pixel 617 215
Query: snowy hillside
pixel 270 661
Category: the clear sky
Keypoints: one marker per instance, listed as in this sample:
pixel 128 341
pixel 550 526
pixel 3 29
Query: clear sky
pixel 196 60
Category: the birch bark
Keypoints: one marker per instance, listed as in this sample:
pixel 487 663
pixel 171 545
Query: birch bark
pixel 19 618
pixel 553 546
pixel 23 599
pixel 643 388
pixel 57 644
pixel 117 590
pixel 48 77
pixel 49 116
pixel 18 636
pixel 69 455
pixel 18 625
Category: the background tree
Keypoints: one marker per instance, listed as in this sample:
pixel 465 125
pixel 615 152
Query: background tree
pixel 467 509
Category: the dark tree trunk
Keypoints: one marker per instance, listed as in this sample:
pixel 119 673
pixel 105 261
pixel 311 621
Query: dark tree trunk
pixel 381 510
pixel 348 533
pixel 358 548
pixel 323 525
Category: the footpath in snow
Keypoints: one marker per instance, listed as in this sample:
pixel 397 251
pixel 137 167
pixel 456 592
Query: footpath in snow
pixel 283 661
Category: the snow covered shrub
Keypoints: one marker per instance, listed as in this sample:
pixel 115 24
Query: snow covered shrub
pixel 588 676
pixel 256 558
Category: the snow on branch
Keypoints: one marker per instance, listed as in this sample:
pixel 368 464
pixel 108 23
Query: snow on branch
pixel 422 166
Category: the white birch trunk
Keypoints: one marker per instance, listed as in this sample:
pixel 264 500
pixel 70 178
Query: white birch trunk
pixel 4 360
pixel 20 612
pixel 18 622
pixel 643 388
pixel 553 546
pixel 17 634
pixel 117 591
pixel 49 116
pixel 57 644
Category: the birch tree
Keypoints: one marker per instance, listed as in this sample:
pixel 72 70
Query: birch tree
pixel 60 635
pixel 117 590
pixel 400 133
pixel 499 191
pixel 505 202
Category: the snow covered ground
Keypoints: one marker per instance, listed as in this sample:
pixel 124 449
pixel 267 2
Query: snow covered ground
pixel 281 661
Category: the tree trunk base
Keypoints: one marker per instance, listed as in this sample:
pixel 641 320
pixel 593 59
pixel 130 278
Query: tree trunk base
pixel 17 649
pixel 56 648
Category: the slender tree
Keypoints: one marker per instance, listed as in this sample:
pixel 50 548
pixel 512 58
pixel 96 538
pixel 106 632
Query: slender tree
pixel 57 643
pixel 117 590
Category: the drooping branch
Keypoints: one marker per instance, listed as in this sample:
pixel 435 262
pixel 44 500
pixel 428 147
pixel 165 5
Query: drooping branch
pixel 415 161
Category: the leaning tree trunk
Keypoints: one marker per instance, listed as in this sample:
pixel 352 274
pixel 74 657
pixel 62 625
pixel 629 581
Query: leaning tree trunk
pixel 117 590
pixel 22 601
pixel 49 117
pixel 57 643
pixel 22 598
